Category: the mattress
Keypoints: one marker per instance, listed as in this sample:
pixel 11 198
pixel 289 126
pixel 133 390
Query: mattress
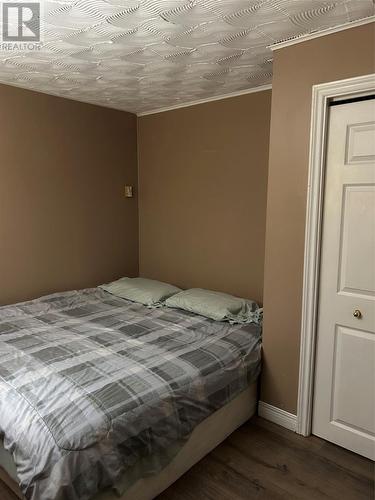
pixel 98 392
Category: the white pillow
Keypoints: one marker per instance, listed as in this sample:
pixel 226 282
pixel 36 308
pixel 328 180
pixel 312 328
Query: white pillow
pixel 216 305
pixel 142 290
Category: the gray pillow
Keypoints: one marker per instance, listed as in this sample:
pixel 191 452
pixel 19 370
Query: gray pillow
pixel 142 290
pixel 216 305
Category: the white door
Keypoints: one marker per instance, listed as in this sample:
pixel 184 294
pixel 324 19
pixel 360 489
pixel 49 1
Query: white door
pixel 344 392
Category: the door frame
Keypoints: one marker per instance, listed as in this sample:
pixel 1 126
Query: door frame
pixel 322 94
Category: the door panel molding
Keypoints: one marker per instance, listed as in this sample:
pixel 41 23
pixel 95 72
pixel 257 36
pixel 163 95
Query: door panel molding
pixel 349 245
pixel 322 94
pixel 342 383
pixel 354 133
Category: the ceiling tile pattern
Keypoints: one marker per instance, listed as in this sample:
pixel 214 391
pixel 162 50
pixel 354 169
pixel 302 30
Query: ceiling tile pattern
pixel 140 55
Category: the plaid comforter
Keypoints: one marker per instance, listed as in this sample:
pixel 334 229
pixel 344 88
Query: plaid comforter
pixel 92 385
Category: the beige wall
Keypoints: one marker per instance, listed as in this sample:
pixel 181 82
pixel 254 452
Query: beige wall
pixel 64 222
pixel 203 181
pixel 342 55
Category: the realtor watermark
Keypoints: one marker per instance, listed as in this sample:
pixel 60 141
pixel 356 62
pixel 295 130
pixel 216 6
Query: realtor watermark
pixel 20 26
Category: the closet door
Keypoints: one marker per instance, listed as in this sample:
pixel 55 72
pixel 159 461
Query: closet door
pixel 344 393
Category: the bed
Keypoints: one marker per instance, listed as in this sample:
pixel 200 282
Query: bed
pixel 105 398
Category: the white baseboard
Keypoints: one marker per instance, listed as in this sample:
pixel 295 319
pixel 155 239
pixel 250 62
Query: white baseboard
pixel 277 416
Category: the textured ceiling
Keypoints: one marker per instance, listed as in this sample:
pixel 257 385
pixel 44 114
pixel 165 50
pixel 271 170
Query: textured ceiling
pixel 140 55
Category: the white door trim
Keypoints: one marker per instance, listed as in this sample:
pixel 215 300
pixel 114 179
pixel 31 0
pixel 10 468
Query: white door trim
pixel 321 95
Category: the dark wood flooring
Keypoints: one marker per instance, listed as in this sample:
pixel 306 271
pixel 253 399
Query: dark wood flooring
pixel 264 461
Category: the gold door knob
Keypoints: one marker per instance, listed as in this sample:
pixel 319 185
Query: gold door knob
pixel 357 314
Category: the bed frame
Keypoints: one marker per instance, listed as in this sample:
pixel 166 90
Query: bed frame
pixel 205 437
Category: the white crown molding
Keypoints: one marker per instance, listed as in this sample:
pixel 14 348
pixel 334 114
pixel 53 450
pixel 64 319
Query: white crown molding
pixel 143 113
pixel 317 34
pixel 208 99
pixel 74 99
pixel 277 416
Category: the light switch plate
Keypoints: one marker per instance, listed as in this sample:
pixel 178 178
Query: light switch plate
pixel 128 191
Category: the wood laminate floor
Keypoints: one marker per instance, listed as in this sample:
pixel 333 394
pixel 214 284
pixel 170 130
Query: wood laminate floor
pixel 264 461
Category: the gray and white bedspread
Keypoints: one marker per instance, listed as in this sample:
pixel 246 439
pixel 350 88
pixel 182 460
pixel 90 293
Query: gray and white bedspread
pixel 91 384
